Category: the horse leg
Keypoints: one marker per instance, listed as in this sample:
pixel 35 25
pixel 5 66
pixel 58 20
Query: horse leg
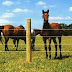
pixel 45 47
pixel 14 42
pixel 17 44
pixel 2 40
pixel 54 40
pixel 60 46
pixel 6 40
pixel 33 44
pixel 49 48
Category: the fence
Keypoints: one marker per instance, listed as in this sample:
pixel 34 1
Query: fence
pixel 28 40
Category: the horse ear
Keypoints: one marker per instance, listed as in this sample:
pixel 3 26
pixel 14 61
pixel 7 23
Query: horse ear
pixel 48 10
pixel 42 11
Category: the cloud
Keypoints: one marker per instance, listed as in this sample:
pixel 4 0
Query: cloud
pixel 7 15
pixel 40 3
pixel 4 21
pixel 70 9
pixel 61 18
pixel 21 10
pixel 8 3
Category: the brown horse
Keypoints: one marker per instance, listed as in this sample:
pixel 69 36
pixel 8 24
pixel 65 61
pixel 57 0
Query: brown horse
pixel 50 32
pixel 67 32
pixel 14 33
pixel 1 27
pixel 34 32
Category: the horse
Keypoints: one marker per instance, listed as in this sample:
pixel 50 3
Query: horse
pixel 50 32
pixel 34 33
pixel 14 33
pixel 1 27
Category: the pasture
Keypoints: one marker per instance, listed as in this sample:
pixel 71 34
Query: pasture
pixel 15 61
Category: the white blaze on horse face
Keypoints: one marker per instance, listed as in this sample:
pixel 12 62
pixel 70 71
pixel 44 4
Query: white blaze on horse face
pixel 45 13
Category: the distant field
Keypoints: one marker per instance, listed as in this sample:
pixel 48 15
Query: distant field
pixel 15 61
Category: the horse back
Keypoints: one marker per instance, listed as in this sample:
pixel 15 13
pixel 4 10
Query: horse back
pixel 56 29
pixel 8 30
pixel 55 26
pixel 37 31
pixel 19 31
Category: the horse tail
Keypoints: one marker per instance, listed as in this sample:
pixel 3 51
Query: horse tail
pixel 1 28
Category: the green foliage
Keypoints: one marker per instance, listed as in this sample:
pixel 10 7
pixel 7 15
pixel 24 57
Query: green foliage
pixel 63 25
pixel 15 61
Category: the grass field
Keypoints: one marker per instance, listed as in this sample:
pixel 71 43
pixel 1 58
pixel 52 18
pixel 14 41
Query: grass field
pixel 15 61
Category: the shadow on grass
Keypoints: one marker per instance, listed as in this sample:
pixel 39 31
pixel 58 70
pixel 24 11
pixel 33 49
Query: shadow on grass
pixel 25 50
pixel 64 57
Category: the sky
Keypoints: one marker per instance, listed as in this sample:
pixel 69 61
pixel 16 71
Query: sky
pixel 15 12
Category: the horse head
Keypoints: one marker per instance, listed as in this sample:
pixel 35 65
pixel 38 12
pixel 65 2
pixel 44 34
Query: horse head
pixel 45 15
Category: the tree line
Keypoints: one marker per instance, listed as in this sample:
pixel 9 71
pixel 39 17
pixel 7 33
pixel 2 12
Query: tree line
pixel 63 25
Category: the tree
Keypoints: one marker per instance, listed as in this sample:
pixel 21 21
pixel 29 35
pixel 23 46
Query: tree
pixel 63 25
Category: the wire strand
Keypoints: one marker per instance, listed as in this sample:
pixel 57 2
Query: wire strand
pixel 36 29
pixel 39 44
pixel 38 36
pixel 36 51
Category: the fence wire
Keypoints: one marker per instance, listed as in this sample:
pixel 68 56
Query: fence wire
pixel 36 51
pixel 38 43
pixel 36 29
pixel 38 36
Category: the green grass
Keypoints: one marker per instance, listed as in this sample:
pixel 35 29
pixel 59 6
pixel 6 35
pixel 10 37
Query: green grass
pixel 15 61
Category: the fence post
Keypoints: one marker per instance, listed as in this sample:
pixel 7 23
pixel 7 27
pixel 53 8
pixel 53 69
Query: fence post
pixel 28 40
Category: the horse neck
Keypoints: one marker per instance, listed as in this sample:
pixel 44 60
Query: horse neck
pixel 46 25
pixel 37 32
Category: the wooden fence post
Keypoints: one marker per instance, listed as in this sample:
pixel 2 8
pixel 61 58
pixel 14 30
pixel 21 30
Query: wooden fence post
pixel 28 40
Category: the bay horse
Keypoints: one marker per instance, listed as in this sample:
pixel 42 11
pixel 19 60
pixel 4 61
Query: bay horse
pixel 50 32
pixel 68 31
pixel 1 27
pixel 14 33
pixel 34 33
